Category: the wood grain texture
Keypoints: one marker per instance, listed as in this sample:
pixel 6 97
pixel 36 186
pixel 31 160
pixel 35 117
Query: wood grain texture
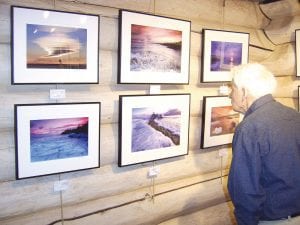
pixel 33 201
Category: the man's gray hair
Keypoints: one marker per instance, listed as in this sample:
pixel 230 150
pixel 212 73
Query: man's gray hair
pixel 255 78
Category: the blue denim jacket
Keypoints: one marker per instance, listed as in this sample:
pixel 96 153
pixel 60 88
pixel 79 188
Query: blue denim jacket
pixel 264 178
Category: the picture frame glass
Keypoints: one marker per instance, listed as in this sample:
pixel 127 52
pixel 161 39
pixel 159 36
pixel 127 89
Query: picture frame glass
pixel 219 121
pixel 221 50
pixel 54 47
pixel 297 43
pixel 153 127
pixel 299 98
pixel 153 49
pixel 56 138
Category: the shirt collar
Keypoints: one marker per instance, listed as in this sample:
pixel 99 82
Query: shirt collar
pixel 259 102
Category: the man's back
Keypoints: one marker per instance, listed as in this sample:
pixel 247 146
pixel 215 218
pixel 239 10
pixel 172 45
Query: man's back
pixel 266 164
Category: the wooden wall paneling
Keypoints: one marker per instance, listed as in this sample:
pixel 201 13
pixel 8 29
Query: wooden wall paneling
pixel 96 7
pixel 109 34
pixel 109 144
pixel 191 10
pixel 290 102
pixel 225 216
pixel 91 190
pixel 42 217
pixel 138 5
pixel 245 13
pixel 7 160
pixel 182 200
pixel 281 9
pixel 196 194
pixel 108 67
pixel 285 18
pixel 116 180
pixel 287 86
pixel 5 65
pixel 4 24
pixel 30 3
pixel 282 60
pixel 282 30
pixel 109 180
pixel 27 196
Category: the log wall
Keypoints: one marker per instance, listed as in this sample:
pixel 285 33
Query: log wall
pixel 113 195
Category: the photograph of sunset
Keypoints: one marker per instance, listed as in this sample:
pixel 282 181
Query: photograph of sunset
pixel 155 49
pixel 223 120
pixel 54 47
pixel 225 55
pixel 52 139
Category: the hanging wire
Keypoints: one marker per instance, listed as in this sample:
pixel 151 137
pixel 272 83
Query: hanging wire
pixel 221 169
pixel 150 8
pixel 153 184
pixel 61 204
pixel 223 14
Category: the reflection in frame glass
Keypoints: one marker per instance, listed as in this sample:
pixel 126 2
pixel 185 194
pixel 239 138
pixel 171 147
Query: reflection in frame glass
pixel 221 50
pixel 218 121
pixel 153 127
pixel 297 44
pixel 299 98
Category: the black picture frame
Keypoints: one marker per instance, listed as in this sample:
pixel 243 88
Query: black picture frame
pixel 54 138
pixel 297 45
pixel 218 121
pixel 153 49
pixel 299 98
pixel 153 127
pixel 221 50
pixel 53 47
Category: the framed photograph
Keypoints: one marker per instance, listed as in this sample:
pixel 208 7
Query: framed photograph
pixel 297 43
pixel 218 121
pixel 221 50
pixel 153 127
pixel 53 47
pixel 153 49
pixel 56 138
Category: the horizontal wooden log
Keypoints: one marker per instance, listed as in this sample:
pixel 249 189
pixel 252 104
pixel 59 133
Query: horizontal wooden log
pixel 218 214
pixel 283 8
pixel 137 5
pixel 184 195
pixel 190 198
pixel 282 30
pixel 282 61
pixel 287 86
pixel 113 178
pixel 290 102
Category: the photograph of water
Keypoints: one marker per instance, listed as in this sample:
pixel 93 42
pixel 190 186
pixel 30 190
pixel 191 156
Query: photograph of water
pixel 154 128
pixel 54 47
pixel 225 55
pixel 52 139
pixel 155 49
pixel 223 120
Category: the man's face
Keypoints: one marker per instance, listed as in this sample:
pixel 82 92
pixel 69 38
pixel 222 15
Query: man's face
pixel 237 98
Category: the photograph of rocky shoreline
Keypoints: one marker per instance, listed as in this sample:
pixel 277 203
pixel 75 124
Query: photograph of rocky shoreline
pixel 53 139
pixel 153 128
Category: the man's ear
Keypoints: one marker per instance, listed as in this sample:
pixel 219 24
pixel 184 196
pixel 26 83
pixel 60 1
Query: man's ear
pixel 244 93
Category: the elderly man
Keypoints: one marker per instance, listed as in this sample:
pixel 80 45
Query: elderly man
pixel 264 178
